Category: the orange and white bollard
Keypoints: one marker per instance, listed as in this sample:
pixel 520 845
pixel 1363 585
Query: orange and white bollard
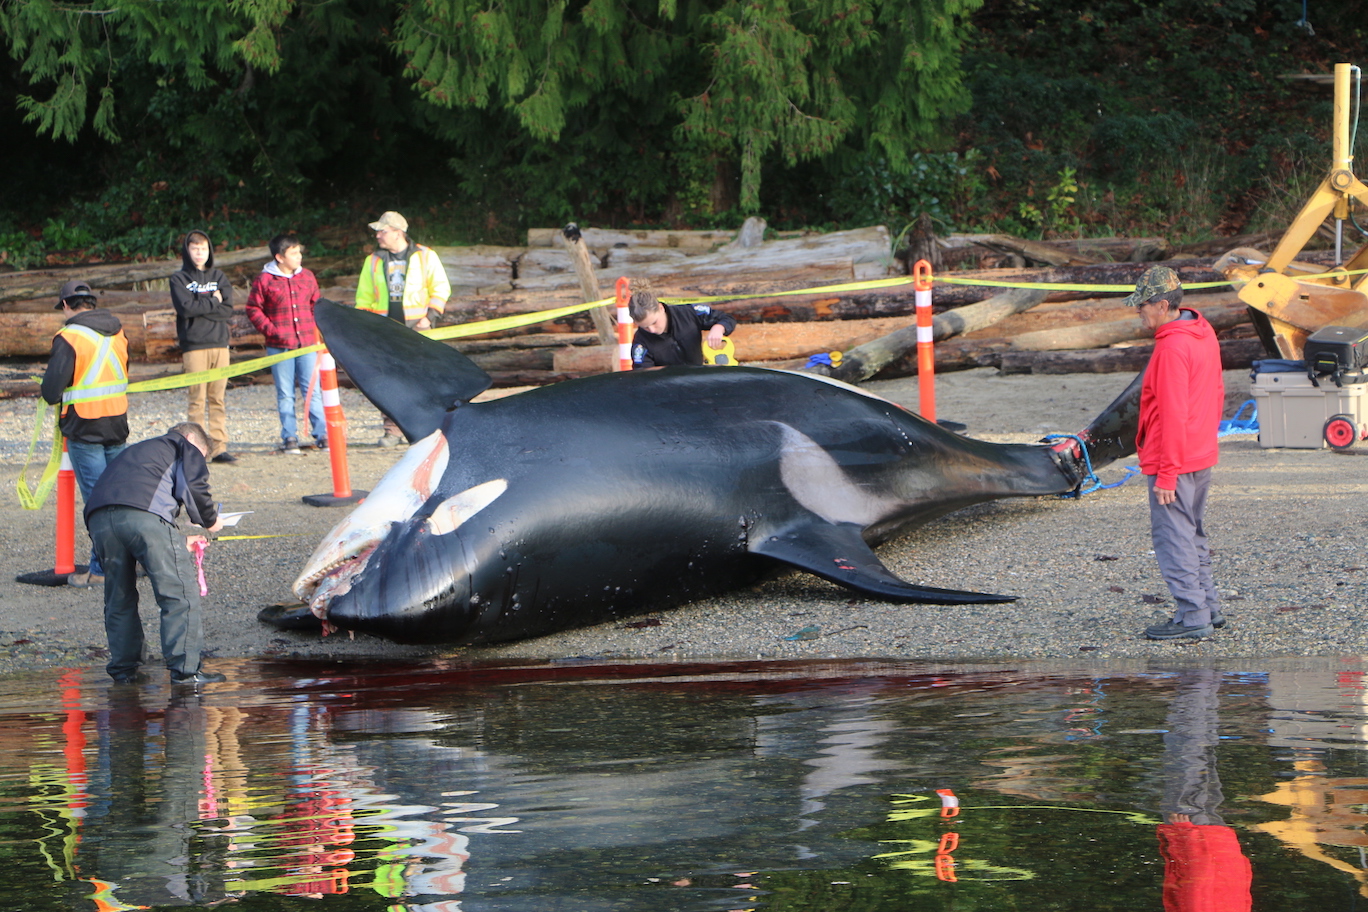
pixel 949 841
pixel 66 516
pixel 65 559
pixel 926 354
pixel 342 492
pixel 624 324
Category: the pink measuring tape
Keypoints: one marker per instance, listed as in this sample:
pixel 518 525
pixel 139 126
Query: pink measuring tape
pixel 197 548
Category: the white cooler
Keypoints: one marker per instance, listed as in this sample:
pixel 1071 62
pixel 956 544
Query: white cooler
pixel 1293 412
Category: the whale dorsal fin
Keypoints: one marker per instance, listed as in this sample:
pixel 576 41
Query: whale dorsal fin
pixel 837 552
pixel 411 378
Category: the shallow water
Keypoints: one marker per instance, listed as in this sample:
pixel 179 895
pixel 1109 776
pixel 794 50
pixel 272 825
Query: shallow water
pixel 766 786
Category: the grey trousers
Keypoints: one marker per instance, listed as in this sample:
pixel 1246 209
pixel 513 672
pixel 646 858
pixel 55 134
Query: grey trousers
pixel 1180 546
pixel 124 538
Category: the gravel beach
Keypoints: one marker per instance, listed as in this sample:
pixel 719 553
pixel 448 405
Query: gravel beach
pixel 1287 529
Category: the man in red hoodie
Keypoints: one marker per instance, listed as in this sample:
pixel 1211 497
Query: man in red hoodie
pixel 1181 401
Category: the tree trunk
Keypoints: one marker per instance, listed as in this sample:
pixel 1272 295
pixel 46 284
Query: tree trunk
pixel 921 245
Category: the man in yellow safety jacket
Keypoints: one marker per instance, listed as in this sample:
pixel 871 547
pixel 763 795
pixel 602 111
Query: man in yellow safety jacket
pixel 87 373
pixel 405 281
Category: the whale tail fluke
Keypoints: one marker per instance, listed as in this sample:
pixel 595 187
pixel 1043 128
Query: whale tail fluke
pixel 412 379
pixel 1111 435
pixel 838 553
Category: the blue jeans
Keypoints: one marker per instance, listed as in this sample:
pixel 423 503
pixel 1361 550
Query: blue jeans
pixel 295 373
pixel 88 461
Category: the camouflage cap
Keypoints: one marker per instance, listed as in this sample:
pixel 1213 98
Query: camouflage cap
pixel 1157 280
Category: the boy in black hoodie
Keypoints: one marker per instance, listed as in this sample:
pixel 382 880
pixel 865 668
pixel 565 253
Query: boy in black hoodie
pixel 203 299
pixel 87 373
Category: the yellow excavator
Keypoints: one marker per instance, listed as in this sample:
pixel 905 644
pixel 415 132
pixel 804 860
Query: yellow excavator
pixel 1289 300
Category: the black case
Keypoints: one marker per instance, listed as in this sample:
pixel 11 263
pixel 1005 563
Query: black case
pixel 1336 350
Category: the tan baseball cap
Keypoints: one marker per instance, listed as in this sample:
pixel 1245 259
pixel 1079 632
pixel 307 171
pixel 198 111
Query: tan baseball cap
pixel 390 220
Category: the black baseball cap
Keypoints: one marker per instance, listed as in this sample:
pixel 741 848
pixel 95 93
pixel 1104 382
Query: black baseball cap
pixel 72 290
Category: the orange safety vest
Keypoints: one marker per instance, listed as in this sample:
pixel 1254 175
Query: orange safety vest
pixel 100 379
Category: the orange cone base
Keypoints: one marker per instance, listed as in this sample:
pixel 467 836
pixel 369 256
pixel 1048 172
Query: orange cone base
pixel 48 577
pixel 332 500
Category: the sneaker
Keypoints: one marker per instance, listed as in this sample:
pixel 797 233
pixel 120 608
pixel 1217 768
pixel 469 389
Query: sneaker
pixel 224 458
pixel 1172 630
pixel 389 440
pixel 130 678
pixel 321 443
pixel 198 677
pixel 1217 619
pixel 291 446
pixel 85 580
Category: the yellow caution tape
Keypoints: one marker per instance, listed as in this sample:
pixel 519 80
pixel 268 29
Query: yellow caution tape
pixel 33 500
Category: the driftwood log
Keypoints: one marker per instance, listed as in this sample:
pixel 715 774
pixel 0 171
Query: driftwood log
pixel 37 283
pixel 589 288
pixel 1235 353
pixel 864 361
pixel 1223 313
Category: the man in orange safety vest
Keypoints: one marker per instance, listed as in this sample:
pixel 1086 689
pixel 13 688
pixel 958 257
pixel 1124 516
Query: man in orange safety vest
pixel 87 373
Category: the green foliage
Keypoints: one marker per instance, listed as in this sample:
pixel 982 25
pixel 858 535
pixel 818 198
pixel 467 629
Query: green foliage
pixel 941 184
pixel 1056 217
pixel 19 250
pixel 1040 118
pixel 1174 116
pixel 738 77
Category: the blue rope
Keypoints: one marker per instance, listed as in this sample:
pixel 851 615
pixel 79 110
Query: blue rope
pixel 1091 476
pixel 820 358
pixel 1232 425
pixel 1237 425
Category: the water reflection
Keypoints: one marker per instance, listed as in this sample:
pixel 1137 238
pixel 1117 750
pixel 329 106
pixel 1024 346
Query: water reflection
pixel 777 786
pixel 1204 868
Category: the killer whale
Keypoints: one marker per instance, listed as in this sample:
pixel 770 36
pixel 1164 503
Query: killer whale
pixel 592 499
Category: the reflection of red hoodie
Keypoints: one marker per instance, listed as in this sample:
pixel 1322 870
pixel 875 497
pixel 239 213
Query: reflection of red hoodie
pixel 1181 401
pixel 1204 869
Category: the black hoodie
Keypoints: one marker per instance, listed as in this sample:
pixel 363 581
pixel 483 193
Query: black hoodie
pixel 110 430
pixel 201 319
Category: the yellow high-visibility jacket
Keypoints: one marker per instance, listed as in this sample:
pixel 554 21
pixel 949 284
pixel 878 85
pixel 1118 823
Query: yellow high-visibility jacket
pixel 424 281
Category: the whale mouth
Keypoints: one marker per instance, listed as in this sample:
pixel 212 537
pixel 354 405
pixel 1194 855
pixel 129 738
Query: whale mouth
pixel 345 552
pixel 322 586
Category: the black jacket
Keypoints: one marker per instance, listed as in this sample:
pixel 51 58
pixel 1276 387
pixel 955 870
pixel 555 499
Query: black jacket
pixel 110 430
pixel 682 340
pixel 201 320
pixel 160 476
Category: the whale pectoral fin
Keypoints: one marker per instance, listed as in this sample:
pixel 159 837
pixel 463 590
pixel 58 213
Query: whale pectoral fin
pixel 289 616
pixel 837 552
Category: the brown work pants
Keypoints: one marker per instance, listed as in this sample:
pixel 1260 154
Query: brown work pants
pixel 207 400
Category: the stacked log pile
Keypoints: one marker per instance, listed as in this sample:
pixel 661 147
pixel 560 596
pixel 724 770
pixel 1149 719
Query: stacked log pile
pixel 1056 331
